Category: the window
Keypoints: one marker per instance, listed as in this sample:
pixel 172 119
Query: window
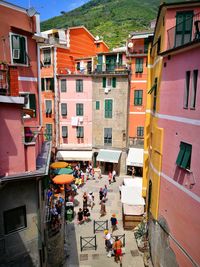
pixel 187 88
pixel 64 131
pixel 108 136
pixel 30 102
pixel 47 84
pixel 97 105
pixel 48 133
pixel 79 85
pixel 80 132
pixel 184 157
pixel 19 50
pixel 194 89
pixel 155 94
pixel 140 131
pixel 64 109
pixel 183 32
pixel 47 56
pixel 108 108
pixel 48 104
pixel 79 109
pixel 14 219
pixel 63 86
pixel 138 97
pixel 109 82
pixel 78 66
pixel 138 65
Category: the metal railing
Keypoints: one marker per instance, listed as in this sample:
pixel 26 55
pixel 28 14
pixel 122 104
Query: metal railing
pixel 111 68
pixel 178 35
pixel 88 242
pixel 99 226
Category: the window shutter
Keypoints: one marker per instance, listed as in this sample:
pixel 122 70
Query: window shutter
pixel 52 84
pixel 141 65
pixel 187 155
pixel 106 108
pixel 64 131
pixel 104 82
pixel 32 101
pixel 97 105
pixel 63 109
pixel 22 50
pixel 180 154
pixel 114 82
pixel 110 108
pixel 42 83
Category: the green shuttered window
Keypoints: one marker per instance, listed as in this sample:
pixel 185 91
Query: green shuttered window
pixel 79 86
pixel 64 109
pixel 108 108
pixel 18 49
pixel 48 104
pixel 109 82
pixel 79 109
pixel 48 134
pixel 138 97
pixel 139 65
pixel 184 157
pixel 97 105
pixel 64 131
pixel 80 132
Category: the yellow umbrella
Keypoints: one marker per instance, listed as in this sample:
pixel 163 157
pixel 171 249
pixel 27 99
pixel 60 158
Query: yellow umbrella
pixel 59 164
pixel 63 179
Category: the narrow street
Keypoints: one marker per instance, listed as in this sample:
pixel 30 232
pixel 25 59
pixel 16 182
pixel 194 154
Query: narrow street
pixel 92 257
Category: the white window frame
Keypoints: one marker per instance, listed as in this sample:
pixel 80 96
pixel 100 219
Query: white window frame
pixel 48 48
pixel 51 105
pixel 11 55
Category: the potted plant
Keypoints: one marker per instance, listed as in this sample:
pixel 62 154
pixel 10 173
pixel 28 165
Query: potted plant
pixel 3 65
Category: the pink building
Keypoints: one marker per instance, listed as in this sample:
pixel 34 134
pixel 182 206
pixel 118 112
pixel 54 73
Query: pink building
pixel 75 117
pixel 24 157
pixel 178 229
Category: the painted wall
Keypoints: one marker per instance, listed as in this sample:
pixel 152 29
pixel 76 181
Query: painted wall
pixel 25 241
pixel 176 183
pixel 71 97
pixel 12 154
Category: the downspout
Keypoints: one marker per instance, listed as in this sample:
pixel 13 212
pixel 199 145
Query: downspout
pixel 56 97
pixel 37 17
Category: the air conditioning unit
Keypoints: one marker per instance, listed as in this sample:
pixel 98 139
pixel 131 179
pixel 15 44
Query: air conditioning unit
pixel 16 53
pixel 106 90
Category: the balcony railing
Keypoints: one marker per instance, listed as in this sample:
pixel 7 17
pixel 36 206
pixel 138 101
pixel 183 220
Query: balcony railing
pixel 184 33
pixel 137 49
pixel 111 68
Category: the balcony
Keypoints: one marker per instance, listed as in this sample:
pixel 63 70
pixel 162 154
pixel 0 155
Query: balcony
pixel 111 68
pixel 185 32
pixel 137 49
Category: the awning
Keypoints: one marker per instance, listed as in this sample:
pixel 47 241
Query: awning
pixel 135 157
pixel 74 155
pixel 109 155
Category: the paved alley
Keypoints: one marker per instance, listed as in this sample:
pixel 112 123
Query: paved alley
pixel 98 257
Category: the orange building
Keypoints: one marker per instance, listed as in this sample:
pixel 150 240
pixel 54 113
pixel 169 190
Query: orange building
pixel 59 56
pixel 137 48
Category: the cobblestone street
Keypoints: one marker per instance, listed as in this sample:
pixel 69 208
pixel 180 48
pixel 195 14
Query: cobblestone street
pixel 92 257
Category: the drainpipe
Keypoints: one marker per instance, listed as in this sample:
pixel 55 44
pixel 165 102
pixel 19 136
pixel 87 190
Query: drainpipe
pixel 39 83
pixel 56 97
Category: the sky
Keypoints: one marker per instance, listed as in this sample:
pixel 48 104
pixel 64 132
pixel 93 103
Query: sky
pixel 49 8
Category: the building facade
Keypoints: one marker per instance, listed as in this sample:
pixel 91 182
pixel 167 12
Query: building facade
pixel 171 144
pixel 25 157
pixel 110 111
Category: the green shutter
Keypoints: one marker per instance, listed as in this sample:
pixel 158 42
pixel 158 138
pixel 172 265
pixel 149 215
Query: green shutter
pixel 114 82
pixel 22 50
pixel 186 158
pixel 97 105
pixel 104 82
pixel 180 154
pixel 108 108
pixel 42 83
pixel 32 103
pixel 52 84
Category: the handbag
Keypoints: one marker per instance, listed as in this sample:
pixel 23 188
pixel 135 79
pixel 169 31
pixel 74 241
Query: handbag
pixel 123 250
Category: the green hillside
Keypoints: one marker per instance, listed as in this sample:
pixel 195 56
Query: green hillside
pixel 112 19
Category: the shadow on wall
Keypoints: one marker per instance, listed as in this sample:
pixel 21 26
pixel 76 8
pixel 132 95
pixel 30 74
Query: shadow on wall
pixel 161 252
pixel 179 175
pixel 71 246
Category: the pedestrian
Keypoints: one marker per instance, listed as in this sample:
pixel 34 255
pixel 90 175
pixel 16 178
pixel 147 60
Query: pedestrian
pixel 85 199
pixel 133 171
pixel 113 222
pixel 93 173
pixel 109 177
pixel 80 216
pixel 105 191
pixel 86 213
pixel 108 242
pixel 100 194
pixel 91 200
pixel 114 176
pixel 117 246
pixel 87 173
pixel 103 208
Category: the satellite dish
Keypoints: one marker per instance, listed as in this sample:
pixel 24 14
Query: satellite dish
pixel 130 45
pixel 31 11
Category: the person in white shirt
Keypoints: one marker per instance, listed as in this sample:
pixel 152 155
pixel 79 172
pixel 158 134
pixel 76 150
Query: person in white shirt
pixel 114 176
